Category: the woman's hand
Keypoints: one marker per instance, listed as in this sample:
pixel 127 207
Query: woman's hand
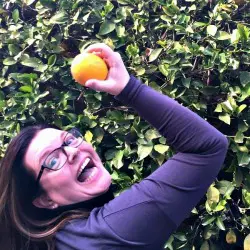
pixel 118 76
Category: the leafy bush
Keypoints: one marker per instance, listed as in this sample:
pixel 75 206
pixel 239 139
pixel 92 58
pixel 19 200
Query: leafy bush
pixel 196 51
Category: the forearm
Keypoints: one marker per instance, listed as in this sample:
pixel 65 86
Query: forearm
pixel 184 130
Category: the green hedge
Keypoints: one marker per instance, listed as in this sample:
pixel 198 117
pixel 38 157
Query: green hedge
pixel 196 51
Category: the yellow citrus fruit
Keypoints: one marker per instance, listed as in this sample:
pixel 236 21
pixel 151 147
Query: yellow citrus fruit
pixel 87 66
pixel 247 242
pixel 231 237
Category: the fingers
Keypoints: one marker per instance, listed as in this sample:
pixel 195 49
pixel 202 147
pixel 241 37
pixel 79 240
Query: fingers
pixel 108 86
pixel 101 49
pixel 98 85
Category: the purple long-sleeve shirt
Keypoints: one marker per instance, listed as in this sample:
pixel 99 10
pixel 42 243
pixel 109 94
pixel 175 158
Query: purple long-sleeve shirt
pixel 145 215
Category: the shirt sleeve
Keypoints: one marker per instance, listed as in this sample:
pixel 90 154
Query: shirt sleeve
pixel 146 214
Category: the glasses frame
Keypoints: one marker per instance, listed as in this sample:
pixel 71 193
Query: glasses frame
pixel 61 147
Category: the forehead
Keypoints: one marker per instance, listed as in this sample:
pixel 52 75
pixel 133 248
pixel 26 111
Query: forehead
pixel 45 140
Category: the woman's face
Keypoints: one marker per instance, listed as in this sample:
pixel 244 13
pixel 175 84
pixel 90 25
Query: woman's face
pixel 64 186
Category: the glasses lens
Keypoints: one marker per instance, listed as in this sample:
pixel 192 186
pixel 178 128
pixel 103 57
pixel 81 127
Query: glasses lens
pixel 74 138
pixel 55 160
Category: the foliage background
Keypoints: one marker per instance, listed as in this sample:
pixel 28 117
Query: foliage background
pixel 195 51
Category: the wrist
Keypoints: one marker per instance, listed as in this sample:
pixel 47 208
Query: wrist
pixel 122 84
pixel 130 90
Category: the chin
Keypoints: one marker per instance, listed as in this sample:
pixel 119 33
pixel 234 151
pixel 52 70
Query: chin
pixel 106 184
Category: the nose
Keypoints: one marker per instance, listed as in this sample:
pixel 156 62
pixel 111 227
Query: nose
pixel 71 153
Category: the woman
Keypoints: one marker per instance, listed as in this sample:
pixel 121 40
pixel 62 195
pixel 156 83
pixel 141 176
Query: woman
pixel 54 188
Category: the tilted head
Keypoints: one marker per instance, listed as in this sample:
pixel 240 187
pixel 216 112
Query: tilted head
pixel 71 170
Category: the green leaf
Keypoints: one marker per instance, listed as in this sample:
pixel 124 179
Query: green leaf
pixel 9 61
pixel 225 118
pixel 213 195
pixel 154 54
pixel 180 236
pixel 24 78
pixel 2 96
pixel 240 108
pixel 162 149
pixel 136 169
pixel 246 197
pixel 2 100
pixel 88 136
pixel 189 30
pixel 140 71
pixel 242 126
pixel 244 78
pixel 223 35
pixel 221 206
pixel 120 31
pixel 211 30
pixel 227 106
pixel 235 37
pixel 106 27
pixel 117 161
pixel 168 244
pixel 108 7
pixel 98 134
pixel 244 32
pixel 59 18
pixel 152 134
pixel 220 224
pixel 29 2
pixel 225 187
pixel 144 151
pixel 239 137
pixel 132 50
pixel 218 108
pixel 110 154
pixel 243 158
pixel 186 82
pixel 238 177
pixel 52 60
pixel 15 15
pixel 199 24
pixel 32 62
pixel 13 49
pixel 208 220
pixel 164 69
pixel 26 88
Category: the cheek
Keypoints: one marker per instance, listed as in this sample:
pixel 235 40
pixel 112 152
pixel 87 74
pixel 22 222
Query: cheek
pixel 60 178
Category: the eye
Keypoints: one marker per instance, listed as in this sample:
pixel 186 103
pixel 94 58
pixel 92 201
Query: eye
pixel 70 140
pixel 53 162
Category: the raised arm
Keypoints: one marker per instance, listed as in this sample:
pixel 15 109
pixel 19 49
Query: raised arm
pixel 183 129
pixel 183 179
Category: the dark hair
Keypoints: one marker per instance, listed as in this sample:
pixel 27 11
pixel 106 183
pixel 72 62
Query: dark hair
pixel 24 224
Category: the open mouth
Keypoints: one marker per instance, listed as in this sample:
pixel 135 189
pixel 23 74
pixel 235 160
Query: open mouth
pixel 87 171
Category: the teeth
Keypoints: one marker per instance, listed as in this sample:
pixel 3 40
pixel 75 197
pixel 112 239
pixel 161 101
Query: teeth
pixel 85 163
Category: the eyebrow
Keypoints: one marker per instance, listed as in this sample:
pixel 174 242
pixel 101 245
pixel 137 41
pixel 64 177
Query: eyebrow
pixel 47 150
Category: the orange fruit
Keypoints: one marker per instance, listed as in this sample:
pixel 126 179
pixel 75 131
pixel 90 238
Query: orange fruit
pixel 87 66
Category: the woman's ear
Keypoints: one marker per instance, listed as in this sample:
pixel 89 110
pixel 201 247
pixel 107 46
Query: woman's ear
pixel 43 201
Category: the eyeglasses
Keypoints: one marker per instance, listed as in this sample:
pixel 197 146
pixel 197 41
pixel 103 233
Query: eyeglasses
pixel 58 157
